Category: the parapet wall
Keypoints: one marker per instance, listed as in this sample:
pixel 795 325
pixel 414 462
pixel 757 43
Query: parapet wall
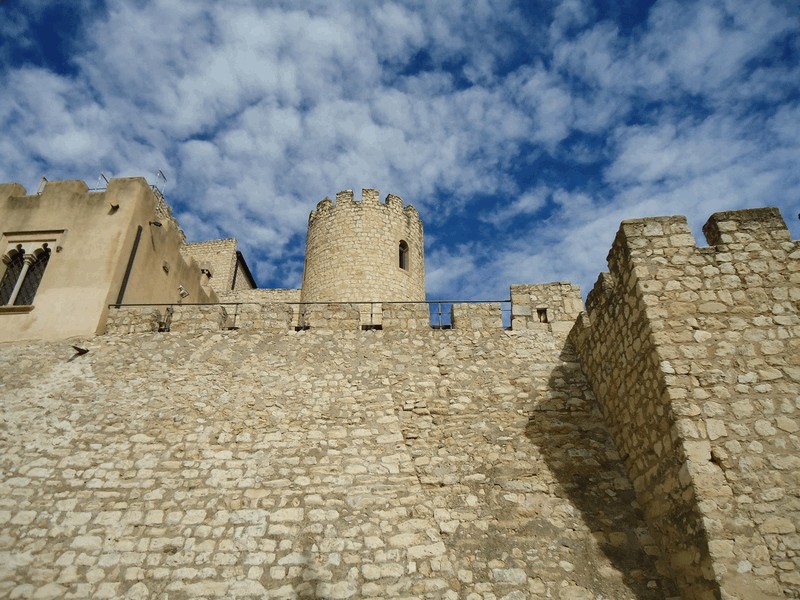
pixel 694 356
pixel 352 251
pixel 283 316
pixel 548 305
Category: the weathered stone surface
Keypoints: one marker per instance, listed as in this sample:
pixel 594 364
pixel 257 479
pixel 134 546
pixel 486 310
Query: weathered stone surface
pixel 242 455
pixel 691 354
pixel 341 463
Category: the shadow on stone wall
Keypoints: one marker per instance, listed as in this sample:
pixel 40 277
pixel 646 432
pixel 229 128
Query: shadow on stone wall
pixel 568 429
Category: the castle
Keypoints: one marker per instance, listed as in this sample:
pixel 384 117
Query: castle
pixel 171 431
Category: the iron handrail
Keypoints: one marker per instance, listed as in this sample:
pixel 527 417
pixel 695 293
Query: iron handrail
pixel 440 319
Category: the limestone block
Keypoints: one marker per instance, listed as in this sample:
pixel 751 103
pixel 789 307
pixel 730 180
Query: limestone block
pixel 477 317
pixel 406 316
pixel 198 318
pixel 134 319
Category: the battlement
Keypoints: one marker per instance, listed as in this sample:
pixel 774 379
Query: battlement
pixel 764 226
pixel 290 317
pixel 364 250
pixel 690 351
pixel 370 198
pixel 545 305
pixel 735 238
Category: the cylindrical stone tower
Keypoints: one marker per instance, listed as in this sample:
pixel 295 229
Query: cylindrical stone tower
pixel 365 251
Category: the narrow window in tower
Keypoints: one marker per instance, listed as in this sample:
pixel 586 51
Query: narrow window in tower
pixel 403 255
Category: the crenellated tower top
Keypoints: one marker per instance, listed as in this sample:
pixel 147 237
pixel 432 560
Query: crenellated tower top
pixel 364 250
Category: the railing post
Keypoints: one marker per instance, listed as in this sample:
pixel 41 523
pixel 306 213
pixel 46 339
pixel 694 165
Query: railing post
pixel 167 322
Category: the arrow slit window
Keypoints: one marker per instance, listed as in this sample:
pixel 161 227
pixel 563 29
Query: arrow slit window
pixel 403 255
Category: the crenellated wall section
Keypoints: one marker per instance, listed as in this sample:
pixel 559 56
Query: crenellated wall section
pixel 694 357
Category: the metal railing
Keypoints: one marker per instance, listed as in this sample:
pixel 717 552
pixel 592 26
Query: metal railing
pixel 439 311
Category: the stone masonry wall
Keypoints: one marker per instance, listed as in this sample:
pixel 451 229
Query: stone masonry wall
pixel 261 295
pixel 352 250
pixel 255 297
pixel 321 463
pixel 406 316
pixel 477 316
pixel 694 356
pixel 536 305
pixel 219 257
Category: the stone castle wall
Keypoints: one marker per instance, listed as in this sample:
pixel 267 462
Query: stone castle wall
pixel 321 463
pixel 218 257
pixel 541 306
pixel 269 447
pixel 352 251
pixel 694 356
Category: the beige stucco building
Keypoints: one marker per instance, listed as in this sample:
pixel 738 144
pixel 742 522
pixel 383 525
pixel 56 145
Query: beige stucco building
pixel 70 252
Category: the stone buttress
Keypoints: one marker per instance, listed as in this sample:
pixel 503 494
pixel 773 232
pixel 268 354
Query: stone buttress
pixel 694 356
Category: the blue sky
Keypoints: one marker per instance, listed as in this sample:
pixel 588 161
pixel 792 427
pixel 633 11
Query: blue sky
pixel 523 132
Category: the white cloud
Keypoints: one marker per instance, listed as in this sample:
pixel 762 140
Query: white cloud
pixel 258 110
pixel 528 203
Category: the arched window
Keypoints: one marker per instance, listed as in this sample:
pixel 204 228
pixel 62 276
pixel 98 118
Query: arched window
pixel 33 277
pixel 23 275
pixel 14 261
pixel 403 255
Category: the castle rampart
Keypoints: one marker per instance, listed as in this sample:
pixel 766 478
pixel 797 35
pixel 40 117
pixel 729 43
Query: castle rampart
pixel 694 356
pixel 328 463
pixel 348 440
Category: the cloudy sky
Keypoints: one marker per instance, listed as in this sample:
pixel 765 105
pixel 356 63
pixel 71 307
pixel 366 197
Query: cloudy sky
pixel 522 131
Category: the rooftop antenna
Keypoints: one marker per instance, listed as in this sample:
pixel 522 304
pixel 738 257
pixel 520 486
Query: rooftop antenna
pixel 102 177
pixel 160 175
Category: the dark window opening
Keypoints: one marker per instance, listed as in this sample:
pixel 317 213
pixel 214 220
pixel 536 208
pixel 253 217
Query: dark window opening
pixel 371 327
pixel 13 269
pixel 542 314
pixel 302 328
pixel 33 277
pixel 403 255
